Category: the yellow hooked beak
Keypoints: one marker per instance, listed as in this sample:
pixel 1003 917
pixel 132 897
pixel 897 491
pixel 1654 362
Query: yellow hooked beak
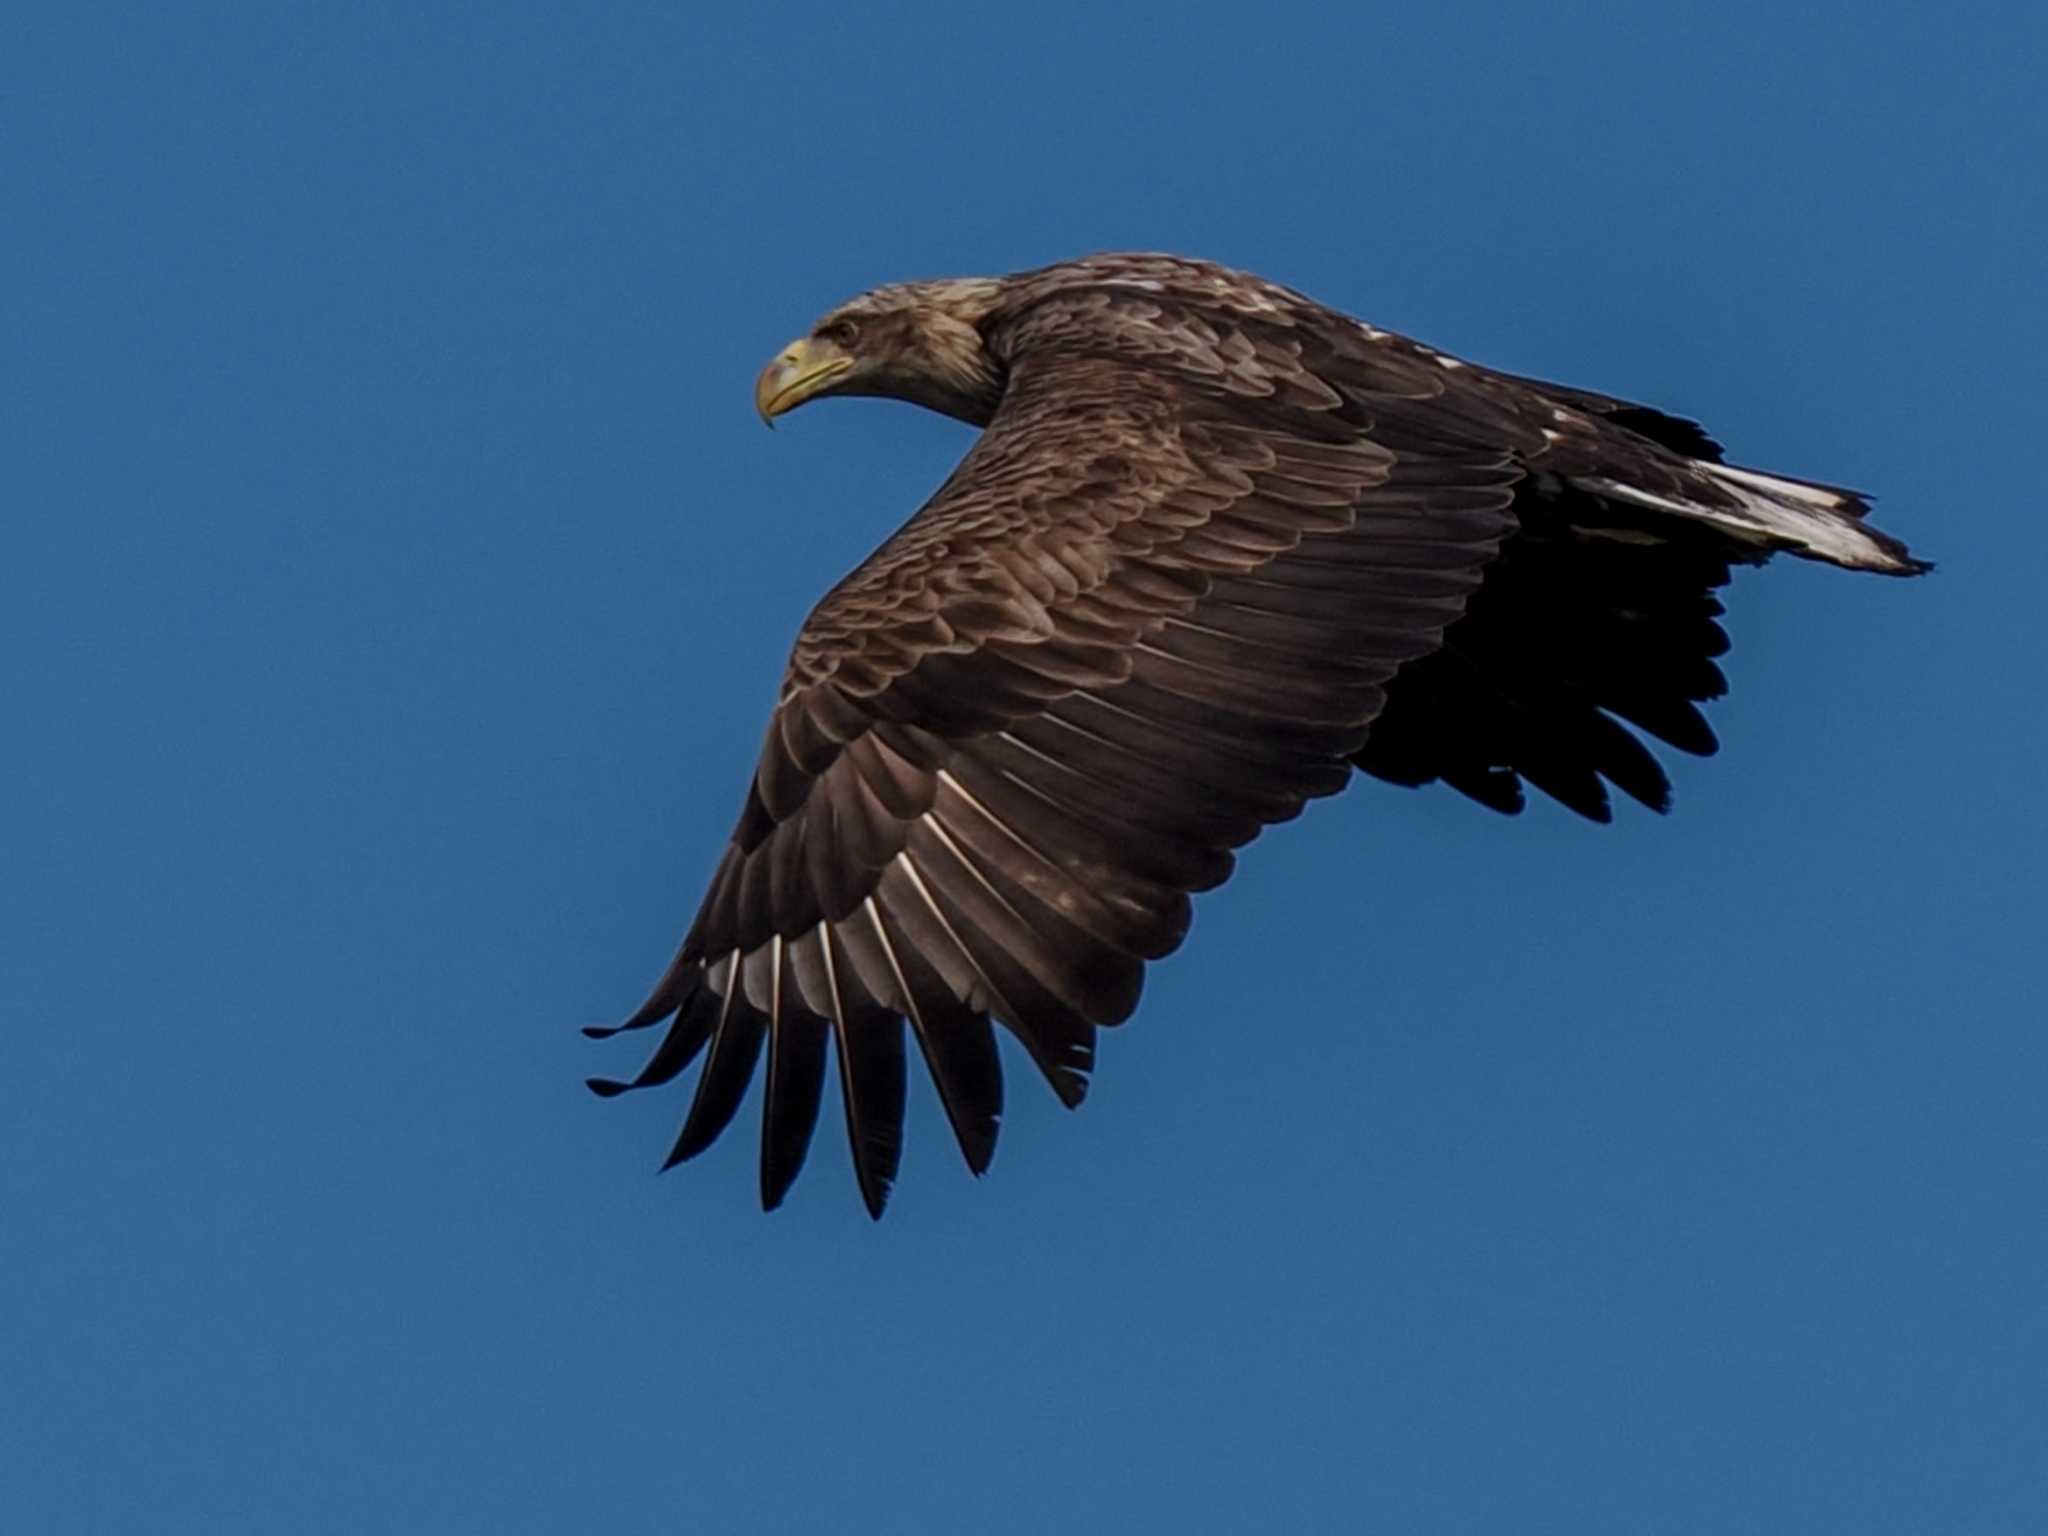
pixel 804 368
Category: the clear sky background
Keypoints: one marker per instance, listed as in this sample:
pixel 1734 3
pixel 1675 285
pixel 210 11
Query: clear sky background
pixel 393 581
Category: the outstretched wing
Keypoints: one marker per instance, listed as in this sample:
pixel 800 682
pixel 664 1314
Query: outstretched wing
pixel 1154 610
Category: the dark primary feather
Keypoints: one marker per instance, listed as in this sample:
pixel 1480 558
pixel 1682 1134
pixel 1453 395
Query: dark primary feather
pixel 1571 634
pixel 1216 547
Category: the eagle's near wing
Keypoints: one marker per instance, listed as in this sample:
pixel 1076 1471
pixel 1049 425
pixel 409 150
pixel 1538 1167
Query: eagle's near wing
pixel 1139 623
pixel 1161 604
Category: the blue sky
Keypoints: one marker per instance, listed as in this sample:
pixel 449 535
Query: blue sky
pixel 395 581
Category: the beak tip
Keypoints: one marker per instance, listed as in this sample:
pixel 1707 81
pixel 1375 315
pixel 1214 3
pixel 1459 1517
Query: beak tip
pixel 802 372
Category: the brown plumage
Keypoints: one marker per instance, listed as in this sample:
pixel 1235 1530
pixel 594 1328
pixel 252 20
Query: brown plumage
pixel 1216 547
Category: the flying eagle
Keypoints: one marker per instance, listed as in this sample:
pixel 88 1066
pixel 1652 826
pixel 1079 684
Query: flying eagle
pixel 1217 547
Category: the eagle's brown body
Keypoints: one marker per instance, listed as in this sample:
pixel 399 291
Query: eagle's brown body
pixel 1217 547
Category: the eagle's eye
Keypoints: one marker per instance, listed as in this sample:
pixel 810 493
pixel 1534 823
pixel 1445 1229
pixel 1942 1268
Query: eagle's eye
pixel 843 332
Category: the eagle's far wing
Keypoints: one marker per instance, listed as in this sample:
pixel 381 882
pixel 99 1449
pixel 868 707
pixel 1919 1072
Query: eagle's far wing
pixel 1143 619
pixel 1681 434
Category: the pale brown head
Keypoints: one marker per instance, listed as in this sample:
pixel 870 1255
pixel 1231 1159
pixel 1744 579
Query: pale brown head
pixel 919 342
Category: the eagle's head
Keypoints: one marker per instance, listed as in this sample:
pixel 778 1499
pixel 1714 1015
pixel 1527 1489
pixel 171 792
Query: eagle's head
pixel 920 342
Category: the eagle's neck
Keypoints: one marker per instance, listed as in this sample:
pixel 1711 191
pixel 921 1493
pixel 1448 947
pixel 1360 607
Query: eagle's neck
pixel 956 374
pixel 966 385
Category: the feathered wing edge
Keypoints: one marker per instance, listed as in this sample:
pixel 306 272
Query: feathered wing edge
pixel 1577 641
pixel 1024 872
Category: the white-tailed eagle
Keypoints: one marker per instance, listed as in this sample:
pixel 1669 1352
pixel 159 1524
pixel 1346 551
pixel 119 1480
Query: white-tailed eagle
pixel 1217 548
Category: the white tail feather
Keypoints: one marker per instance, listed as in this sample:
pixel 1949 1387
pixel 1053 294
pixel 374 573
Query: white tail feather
pixel 1808 519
